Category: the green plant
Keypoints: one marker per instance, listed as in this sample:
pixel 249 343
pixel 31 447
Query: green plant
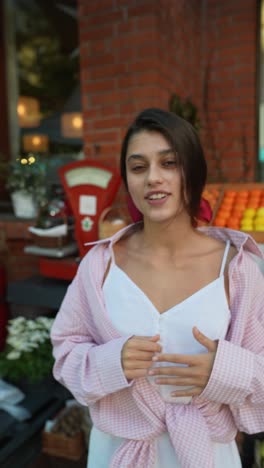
pixel 26 174
pixel 28 350
pixel 185 109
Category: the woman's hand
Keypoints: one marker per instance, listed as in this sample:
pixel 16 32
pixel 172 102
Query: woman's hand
pixel 137 354
pixel 196 371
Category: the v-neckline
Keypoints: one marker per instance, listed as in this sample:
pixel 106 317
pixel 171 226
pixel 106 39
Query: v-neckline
pixel 179 304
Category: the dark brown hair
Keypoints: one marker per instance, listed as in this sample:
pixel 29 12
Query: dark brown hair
pixel 184 141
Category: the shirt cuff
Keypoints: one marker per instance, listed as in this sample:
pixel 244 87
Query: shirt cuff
pixel 231 376
pixel 109 366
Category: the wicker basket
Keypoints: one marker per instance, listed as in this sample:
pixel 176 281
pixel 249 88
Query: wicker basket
pixel 108 225
pixel 59 445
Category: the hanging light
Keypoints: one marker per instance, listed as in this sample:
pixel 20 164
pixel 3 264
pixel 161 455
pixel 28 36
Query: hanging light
pixel 72 125
pixel 28 111
pixel 36 143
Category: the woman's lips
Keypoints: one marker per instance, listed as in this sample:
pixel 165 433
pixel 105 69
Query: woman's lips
pixel 158 198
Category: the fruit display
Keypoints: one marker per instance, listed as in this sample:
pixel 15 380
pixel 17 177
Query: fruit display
pixel 238 206
pixel 211 194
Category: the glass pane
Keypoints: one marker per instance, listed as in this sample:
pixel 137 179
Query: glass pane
pixel 49 104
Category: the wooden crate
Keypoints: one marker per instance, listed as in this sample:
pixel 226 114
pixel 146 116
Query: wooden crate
pixel 59 445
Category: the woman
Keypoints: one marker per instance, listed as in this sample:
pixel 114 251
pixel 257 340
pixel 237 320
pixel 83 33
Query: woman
pixel 161 331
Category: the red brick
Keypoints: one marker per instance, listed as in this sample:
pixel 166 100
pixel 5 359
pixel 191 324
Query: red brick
pixel 94 60
pixel 103 17
pixel 105 136
pixel 114 122
pixel 108 71
pixel 103 99
pixel 88 7
pixel 97 86
pixel 91 34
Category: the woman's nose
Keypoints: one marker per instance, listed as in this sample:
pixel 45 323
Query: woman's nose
pixel 154 175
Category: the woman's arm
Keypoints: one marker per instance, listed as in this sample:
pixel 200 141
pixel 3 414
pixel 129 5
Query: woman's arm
pixel 88 369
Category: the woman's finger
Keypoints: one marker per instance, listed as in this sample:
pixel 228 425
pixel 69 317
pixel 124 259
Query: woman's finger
pixel 204 340
pixel 139 355
pixel 194 391
pixel 129 364
pixel 143 345
pixel 178 381
pixel 175 370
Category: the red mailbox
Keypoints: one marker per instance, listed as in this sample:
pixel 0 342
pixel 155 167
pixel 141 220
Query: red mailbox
pixel 90 188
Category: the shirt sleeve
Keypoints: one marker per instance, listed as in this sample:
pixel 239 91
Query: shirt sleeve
pixel 237 377
pixel 88 369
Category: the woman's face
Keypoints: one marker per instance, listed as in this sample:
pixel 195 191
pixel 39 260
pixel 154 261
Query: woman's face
pixel 153 176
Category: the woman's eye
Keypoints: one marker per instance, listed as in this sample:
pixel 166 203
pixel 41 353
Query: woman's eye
pixel 137 168
pixel 170 163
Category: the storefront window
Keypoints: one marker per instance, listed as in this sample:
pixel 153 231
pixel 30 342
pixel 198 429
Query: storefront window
pixel 48 92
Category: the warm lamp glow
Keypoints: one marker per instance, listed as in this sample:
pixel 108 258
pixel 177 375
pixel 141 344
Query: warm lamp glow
pixel 38 143
pixel 77 122
pixel 21 110
pixel 28 112
pixel 72 125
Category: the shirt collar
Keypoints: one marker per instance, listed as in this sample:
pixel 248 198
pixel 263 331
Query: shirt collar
pixel 240 240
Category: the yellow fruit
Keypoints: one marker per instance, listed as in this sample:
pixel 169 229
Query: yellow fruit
pixel 249 212
pixel 247 219
pixel 259 219
pixel 246 225
pixel 259 227
pixel 247 228
pixel 260 211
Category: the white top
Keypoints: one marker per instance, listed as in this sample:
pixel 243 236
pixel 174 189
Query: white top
pixel 132 313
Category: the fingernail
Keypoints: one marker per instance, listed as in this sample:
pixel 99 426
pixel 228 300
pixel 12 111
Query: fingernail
pixel 155 358
pixel 151 372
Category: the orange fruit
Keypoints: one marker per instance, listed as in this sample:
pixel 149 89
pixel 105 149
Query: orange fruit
pixel 233 224
pixel 253 204
pixel 223 212
pixel 226 205
pixel 237 211
pixel 236 217
pixel 256 192
pixel 230 193
pixel 254 199
pixel 219 222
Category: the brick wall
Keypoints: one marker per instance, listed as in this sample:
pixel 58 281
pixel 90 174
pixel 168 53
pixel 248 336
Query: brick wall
pixel 230 77
pixel 13 238
pixel 134 54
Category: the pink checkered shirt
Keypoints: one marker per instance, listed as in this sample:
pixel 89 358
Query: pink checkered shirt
pixel 87 350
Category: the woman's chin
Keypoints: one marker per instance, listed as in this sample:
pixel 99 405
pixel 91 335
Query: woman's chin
pixel 158 218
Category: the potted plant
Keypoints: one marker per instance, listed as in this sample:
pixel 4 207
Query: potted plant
pixel 27 355
pixel 185 109
pixel 25 180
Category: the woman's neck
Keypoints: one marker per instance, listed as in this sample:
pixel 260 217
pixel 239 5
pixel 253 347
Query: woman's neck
pixel 168 237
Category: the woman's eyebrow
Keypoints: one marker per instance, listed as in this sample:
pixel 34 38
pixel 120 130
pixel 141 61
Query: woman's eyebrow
pixel 165 152
pixel 160 153
pixel 135 156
